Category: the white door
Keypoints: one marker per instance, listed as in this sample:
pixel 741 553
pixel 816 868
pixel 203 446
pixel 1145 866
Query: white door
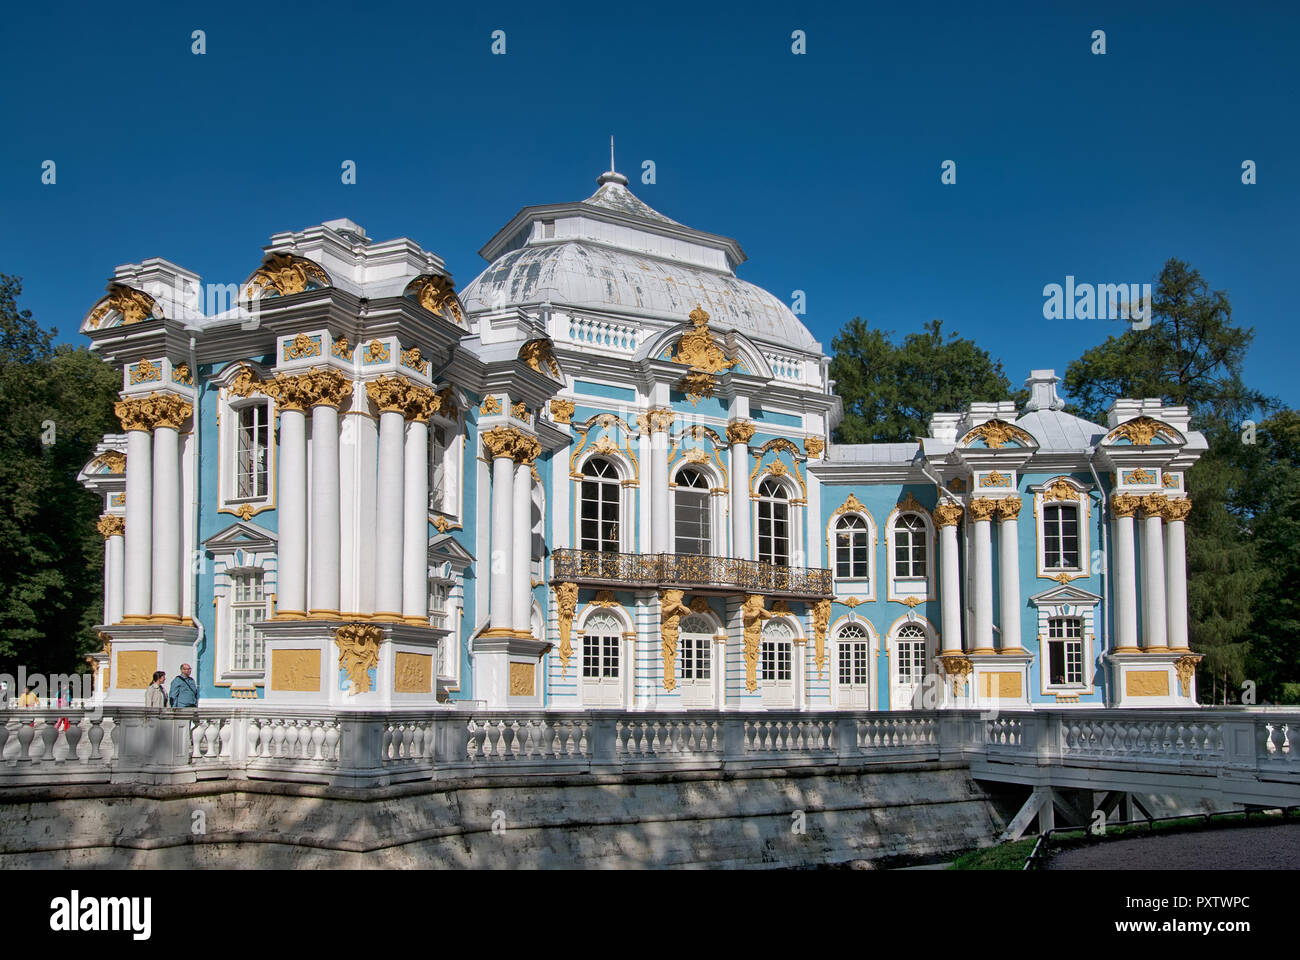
pixel 695 663
pixel 776 665
pixel 909 668
pixel 601 667
pixel 852 675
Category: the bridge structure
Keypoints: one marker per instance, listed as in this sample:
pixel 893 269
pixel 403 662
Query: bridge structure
pixel 1039 765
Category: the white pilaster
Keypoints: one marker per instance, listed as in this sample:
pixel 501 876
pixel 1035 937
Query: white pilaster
pixel 291 512
pixel 1124 571
pixel 391 505
pixel 166 523
pixel 1009 573
pixel 325 518
pixel 415 514
pixel 521 607
pixel 738 474
pixel 659 534
pixel 946 517
pixel 138 562
pixel 1155 629
pixel 501 567
pixel 1176 575
pixel 982 619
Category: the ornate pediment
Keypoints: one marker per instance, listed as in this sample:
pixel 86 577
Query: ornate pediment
pixel 437 294
pixel 240 535
pixel 282 275
pixel 1143 432
pixel 123 305
pixel 997 434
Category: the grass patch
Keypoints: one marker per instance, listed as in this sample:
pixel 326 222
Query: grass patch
pixel 1004 856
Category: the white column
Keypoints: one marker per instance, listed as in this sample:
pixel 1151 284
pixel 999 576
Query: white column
pixel 946 516
pixel 1125 574
pixel 166 522
pixel 1155 630
pixel 415 514
pixel 1176 572
pixel 324 566
pixel 501 567
pixel 521 591
pixel 740 434
pixel 1009 573
pixel 981 510
pixel 388 526
pixel 110 526
pixel 291 514
pixel 138 563
pixel 659 534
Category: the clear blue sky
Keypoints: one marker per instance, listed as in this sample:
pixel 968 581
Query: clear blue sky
pixel 826 167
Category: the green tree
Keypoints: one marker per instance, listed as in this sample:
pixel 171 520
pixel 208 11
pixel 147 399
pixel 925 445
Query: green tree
pixel 1192 355
pixel 56 403
pixel 891 390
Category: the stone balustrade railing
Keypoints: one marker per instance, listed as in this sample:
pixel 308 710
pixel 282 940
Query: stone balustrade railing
pixel 360 749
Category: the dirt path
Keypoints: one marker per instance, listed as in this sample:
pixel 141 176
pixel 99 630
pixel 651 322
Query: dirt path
pixel 1273 847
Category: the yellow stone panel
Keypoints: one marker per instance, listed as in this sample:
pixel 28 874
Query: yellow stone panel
pixel 135 668
pixel 522 679
pixel 1146 683
pixel 1004 686
pixel 414 673
pixel 295 671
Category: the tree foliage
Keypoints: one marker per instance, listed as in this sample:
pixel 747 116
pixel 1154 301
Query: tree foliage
pixel 51 555
pixel 891 390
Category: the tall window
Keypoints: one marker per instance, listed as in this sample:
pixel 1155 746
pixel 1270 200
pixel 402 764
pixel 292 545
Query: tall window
pixel 911 654
pixel 438 603
pixel 252 442
pixel 909 546
pixel 773 524
pixel 694 534
pixel 775 660
pixel 694 647
pixel 853 649
pixel 437 467
pixel 247 607
pixel 852 546
pixel 1065 651
pixel 1061 536
pixel 600 506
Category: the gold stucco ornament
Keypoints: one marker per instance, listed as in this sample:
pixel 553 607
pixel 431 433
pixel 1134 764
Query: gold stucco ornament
pixel 284 274
pixel 753 615
pixel 998 433
pixel 358 645
pixel 436 294
pixel 671 610
pixel 566 602
pixel 133 306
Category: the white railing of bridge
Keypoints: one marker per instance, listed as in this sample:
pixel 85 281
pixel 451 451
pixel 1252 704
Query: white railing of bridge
pixel 123 744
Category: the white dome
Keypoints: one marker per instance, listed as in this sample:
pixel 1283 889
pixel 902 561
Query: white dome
pixel 614 253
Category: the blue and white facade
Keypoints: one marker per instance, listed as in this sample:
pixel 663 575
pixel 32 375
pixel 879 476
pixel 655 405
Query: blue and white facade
pixel 600 476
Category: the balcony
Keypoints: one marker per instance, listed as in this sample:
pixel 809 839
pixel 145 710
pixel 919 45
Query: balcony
pixel 699 574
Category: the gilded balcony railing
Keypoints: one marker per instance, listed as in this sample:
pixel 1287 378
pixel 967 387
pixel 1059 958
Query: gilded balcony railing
pixel 687 571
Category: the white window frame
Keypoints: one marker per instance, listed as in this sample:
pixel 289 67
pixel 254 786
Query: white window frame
pixel 794 524
pixel 1067 602
pixel 872 642
pixel 626 502
pixel 1083 515
pixel 911 624
pixel 1066 685
pixel 716 501
pixel 903 588
pixel 229 407
pixel 226 604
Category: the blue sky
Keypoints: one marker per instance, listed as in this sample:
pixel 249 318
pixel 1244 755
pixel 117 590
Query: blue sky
pixel 826 167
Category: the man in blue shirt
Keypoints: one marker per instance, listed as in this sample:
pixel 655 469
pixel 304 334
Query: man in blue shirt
pixel 184 692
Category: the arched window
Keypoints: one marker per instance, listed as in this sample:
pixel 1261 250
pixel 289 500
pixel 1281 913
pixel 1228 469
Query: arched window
pixel 911 653
pixel 600 506
pixel 775 652
pixel 1061 536
pixel 696 635
pixel 909 546
pixel 852 547
pixel 773 524
pixel 694 528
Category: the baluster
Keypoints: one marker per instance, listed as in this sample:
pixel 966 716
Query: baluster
pixel 196 739
pixel 471 745
pixel 332 737
pixel 317 740
pixel 83 747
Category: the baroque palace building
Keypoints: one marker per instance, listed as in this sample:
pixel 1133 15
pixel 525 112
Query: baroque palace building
pixel 600 476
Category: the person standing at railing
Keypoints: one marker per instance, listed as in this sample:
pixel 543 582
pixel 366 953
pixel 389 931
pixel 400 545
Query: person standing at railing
pixel 30 699
pixel 185 691
pixel 156 696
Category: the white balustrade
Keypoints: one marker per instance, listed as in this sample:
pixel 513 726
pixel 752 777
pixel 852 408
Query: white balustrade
pixel 604 335
pixel 785 367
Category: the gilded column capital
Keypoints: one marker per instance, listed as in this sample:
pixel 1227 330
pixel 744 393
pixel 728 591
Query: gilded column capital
pixel 526 448
pixel 170 410
pixel 947 514
pixel 1124 504
pixel 982 509
pixel 740 431
pixel 327 388
pixel 660 419
pixel 1176 509
pixel 290 392
pixel 1153 505
pixel 389 394
pixel 814 447
pixel 135 413
pixel 1008 508
pixel 562 410
pixel 500 442
pixel 421 403
pixel 111 525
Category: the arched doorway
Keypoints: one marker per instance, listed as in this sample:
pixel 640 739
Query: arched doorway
pixel 695 662
pixel 602 666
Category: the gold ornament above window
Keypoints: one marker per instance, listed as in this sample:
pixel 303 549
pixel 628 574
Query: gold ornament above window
pixel 284 274
pixel 698 350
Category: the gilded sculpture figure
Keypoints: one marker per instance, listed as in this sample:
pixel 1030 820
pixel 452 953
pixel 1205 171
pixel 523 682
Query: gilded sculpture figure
pixel 821 619
pixel 997 434
pixel 358 645
pixel 671 610
pixel 753 615
pixel 566 602
pixel 133 306
pixel 1140 431
pixel 436 294
pixel 284 274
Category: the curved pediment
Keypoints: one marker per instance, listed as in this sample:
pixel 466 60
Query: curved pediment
pixel 540 355
pixel 282 275
pixel 996 434
pixel 437 294
pixel 121 306
pixel 1144 432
